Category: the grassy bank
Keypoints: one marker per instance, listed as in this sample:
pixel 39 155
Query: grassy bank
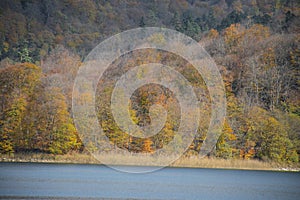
pixel 193 162
pixel 233 164
pixel 83 158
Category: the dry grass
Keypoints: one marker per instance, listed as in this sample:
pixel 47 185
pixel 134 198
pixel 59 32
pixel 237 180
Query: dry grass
pixel 118 159
pixel 225 164
pixel 49 158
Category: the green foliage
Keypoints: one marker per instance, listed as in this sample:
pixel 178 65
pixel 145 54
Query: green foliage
pixel 187 24
pixel 142 22
pixel 232 18
pixel 223 148
pixel 176 22
pixel 24 55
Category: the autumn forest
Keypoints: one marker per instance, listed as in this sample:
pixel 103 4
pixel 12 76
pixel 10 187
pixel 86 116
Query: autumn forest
pixel 255 44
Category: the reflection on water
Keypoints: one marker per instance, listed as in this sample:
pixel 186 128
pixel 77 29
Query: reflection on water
pixel 63 181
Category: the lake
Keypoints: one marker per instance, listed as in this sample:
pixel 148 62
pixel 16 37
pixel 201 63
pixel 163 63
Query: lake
pixel 64 181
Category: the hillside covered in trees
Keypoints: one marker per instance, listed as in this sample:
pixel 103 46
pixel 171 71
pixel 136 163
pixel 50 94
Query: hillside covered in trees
pixel 256 45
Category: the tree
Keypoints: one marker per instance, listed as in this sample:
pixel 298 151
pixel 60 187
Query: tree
pixel 147 146
pixel 232 18
pixel 189 26
pixel 11 126
pixel 176 22
pixel 60 67
pixel 60 132
pixel 152 19
pixel 33 117
pixel 24 55
pixel 223 146
pixel 270 137
pixel 142 22
pixel 17 84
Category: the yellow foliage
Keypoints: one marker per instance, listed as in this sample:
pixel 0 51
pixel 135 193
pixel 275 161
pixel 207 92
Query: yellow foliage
pixel 237 37
pixel 157 39
pixel 237 6
pixel 147 148
pixel 269 58
pixel 213 33
pixel 5 46
pixel 228 132
pixel 232 35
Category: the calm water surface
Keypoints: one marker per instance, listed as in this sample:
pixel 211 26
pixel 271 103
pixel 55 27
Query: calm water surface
pixel 28 180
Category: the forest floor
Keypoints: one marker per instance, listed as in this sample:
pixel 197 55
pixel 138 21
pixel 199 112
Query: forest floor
pixel 191 162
